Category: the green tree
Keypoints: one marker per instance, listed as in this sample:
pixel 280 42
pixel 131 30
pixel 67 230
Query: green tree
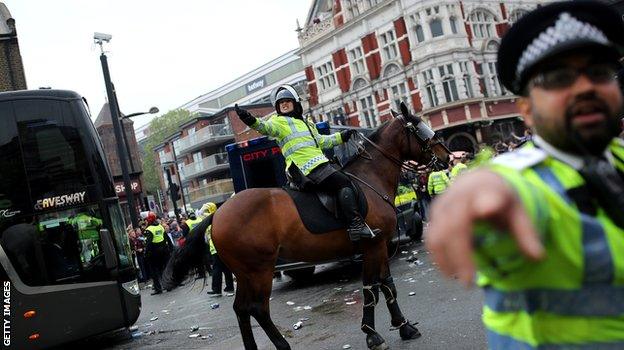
pixel 160 128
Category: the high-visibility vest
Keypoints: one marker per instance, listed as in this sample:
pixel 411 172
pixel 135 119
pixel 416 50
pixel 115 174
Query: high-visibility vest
pixel 296 142
pixel 574 297
pixel 191 223
pixel 458 169
pixel 87 226
pixel 158 233
pixel 438 181
pixel 213 250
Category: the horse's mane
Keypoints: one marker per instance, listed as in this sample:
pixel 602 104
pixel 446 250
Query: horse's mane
pixel 375 136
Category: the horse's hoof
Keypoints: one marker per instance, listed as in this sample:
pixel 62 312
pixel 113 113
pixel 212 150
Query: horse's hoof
pixel 409 331
pixel 376 342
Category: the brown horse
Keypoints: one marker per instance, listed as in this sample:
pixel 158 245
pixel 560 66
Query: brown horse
pixel 257 225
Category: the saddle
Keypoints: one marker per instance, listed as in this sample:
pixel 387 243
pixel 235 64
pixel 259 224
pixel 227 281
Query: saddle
pixel 320 211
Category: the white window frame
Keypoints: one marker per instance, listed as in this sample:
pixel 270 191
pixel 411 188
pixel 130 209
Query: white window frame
pixel 482 23
pixel 325 75
pixel 389 45
pixel 357 61
pixel 466 77
pixel 400 93
pixel 430 88
pixel 368 111
pixel 438 19
pixel 449 85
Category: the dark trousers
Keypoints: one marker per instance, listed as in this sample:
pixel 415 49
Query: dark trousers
pixel 219 268
pixel 143 272
pixel 334 182
pixel 157 263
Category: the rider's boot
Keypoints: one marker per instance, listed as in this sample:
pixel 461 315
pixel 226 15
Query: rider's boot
pixel 349 206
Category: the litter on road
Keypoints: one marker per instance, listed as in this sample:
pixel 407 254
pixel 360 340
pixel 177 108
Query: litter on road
pixel 297 325
pixel 154 318
pixel 214 306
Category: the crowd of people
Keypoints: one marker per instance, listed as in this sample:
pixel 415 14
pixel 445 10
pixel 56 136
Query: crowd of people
pixel 157 237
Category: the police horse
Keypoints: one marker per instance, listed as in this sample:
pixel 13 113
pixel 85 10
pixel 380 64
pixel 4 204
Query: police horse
pixel 257 225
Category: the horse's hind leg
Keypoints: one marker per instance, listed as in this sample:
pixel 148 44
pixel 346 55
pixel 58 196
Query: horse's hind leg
pixel 242 308
pixel 258 291
pixel 406 329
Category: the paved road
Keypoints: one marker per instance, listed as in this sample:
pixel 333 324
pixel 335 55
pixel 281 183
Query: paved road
pixel 448 315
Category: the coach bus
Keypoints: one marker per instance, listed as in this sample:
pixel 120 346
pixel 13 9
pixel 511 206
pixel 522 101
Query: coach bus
pixel 65 260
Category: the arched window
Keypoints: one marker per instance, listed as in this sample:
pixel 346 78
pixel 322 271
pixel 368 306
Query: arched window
pixel 420 35
pixel 432 95
pixel 482 23
pixel 436 27
pixel 515 16
pixel 454 25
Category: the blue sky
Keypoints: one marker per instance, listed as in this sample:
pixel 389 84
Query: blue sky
pixel 163 53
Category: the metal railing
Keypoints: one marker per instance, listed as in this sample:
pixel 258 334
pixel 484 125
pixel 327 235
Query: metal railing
pixel 205 165
pixel 212 189
pixel 167 158
pixel 202 136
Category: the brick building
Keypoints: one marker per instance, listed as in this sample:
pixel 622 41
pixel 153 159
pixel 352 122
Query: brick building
pixel 362 58
pixel 104 126
pixel 12 75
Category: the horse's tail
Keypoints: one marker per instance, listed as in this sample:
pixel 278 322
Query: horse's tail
pixel 189 256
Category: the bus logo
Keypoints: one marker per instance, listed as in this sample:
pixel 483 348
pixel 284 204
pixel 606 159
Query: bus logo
pixel 7 213
pixel 60 201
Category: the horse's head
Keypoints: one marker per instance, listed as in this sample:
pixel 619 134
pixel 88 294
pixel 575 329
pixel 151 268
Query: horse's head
pixel 430 148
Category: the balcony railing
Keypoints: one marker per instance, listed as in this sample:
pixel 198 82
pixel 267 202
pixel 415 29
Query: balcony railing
pixel 211 190
pixel 203 137
pixel 168 157
pixel 206 165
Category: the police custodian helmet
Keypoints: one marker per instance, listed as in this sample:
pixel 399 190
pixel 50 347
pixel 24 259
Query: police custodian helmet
pixel 555 29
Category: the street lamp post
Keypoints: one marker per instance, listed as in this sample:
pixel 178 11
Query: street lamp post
pixel 121 150
pixel 152 110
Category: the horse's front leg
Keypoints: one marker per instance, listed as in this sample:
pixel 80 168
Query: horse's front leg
pixel 406 329
pixel 370 292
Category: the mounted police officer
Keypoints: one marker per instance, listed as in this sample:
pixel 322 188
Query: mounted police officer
pixel 549 217
pixel 302 146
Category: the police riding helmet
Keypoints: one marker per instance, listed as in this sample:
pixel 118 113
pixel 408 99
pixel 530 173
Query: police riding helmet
pixel 287 92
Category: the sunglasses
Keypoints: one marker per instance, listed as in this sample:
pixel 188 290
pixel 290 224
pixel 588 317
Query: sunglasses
pixel 564 77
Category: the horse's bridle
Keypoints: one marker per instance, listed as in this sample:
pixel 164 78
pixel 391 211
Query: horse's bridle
pixel 425 137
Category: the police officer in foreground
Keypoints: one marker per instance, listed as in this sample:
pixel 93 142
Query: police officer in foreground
pixel 545 223
pixel 302 146
pixel 157 250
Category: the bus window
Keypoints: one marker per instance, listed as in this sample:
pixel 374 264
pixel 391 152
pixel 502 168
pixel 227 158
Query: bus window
pixel 14 199
pixel 120 235
pixel 52 151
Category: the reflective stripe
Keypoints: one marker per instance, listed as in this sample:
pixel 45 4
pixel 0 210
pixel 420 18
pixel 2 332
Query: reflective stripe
pixel 502 342
pixel 310 163
pixel 293 136
pixel 291 124
pixel 591 300
pixel 297 147
pixel 597 257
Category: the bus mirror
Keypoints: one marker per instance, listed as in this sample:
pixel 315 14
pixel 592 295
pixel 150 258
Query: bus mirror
pixel 109 249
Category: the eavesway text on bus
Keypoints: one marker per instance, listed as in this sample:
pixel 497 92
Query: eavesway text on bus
pixel 60 201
